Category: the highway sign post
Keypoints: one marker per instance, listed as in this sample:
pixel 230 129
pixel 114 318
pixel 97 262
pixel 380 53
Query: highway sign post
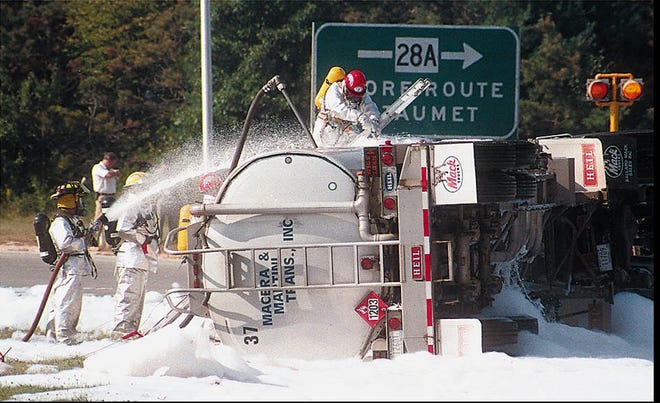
pixel 473 70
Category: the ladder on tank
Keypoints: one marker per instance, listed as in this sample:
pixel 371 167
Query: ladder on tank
pixel 240 276
pixel 330 252
pixel 403 101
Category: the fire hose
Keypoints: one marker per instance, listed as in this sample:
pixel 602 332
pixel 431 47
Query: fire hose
pixel 58 264
pixel 273 83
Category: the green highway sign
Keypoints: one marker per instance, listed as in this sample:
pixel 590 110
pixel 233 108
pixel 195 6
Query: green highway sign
pixel 473 72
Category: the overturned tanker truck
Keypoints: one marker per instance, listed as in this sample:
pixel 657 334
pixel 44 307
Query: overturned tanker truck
pixel 397 247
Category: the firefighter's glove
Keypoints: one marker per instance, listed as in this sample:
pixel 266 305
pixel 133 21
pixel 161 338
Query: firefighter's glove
pixel 92 233
pixel 363 120
pixel 375 126
pixel 96 226
pixel 370 124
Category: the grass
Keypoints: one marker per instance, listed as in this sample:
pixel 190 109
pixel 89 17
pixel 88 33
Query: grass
pixel 18 367
pixel 9 391
pixel 17 229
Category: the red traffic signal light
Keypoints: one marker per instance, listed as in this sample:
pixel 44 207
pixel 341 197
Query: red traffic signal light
pixel 599 90
pixel 630 89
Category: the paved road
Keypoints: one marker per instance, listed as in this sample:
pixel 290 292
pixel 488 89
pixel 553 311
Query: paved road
pixel 24 268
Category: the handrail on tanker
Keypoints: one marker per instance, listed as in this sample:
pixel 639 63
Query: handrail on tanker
pixel 174 231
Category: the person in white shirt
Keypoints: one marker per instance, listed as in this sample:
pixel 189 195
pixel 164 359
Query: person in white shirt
pixel 104 182
pixel 346 112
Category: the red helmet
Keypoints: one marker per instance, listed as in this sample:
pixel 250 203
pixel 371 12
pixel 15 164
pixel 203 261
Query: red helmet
pixel 355 83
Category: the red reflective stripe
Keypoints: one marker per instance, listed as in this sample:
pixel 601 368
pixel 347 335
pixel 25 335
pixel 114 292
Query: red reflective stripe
pixel 424 181
pixel 427 249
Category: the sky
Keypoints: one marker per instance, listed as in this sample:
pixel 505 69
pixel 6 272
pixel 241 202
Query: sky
pixel 561 363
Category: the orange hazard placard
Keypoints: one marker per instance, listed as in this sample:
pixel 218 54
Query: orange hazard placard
pixel 372 309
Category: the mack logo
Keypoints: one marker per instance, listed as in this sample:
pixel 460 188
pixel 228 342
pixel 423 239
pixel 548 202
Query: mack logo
pixel 390 181
pixel 613 161
pixel 452 174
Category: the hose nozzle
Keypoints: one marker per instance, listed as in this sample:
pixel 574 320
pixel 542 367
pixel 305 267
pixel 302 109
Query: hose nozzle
pixel 271 84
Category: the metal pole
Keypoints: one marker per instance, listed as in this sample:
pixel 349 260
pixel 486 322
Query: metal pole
pixel 614 106
pixel 207 91
pixel 614 116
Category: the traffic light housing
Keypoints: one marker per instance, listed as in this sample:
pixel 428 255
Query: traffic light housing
pixel 630 89
pixel 599 90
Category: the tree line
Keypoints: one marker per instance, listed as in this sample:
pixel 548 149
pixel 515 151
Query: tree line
pixel 82 77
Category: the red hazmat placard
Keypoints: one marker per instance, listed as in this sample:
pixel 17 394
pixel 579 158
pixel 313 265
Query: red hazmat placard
pixel 372 309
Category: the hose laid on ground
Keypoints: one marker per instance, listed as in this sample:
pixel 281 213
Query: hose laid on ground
pixel 60 261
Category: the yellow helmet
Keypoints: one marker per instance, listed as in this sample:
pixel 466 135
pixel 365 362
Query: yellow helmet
pixel 134 179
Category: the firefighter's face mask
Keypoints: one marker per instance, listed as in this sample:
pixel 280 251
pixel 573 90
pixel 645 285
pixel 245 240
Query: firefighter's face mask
pixel 353 100
pixel 72 201
pixel 67 201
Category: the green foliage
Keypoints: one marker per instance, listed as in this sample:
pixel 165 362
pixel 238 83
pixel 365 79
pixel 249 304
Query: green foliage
pixel 79 78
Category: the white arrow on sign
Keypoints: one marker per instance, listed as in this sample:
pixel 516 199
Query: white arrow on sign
pixel 468 55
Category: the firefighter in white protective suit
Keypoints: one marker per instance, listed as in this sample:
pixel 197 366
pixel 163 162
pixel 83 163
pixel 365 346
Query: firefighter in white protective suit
pixel 137 255
pixel 346 111
pixel 70 237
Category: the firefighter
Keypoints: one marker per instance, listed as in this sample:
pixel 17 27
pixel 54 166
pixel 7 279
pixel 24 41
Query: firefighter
pixel 137 255
pixel 70 237
pixel 346 111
